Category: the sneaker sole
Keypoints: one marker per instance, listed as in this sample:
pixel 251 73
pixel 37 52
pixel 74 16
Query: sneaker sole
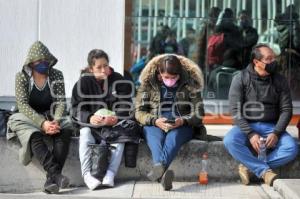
pixel 94 187
pixel 156 173
pixel 51 189
pixel 64 183
pixel 107 185
pixel 167 180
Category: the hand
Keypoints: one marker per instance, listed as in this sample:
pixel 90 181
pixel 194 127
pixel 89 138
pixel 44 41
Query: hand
pixel 272 140
pixel 254 140
pixel 161 123
pixel 97 120
pixel 51 127
pixel 178 122
pixel 110 120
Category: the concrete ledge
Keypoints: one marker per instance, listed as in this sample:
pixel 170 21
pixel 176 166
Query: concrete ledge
pixel 288 188
pixel 17 178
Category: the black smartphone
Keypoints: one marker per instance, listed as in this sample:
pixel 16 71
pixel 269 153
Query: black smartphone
pixel 170 121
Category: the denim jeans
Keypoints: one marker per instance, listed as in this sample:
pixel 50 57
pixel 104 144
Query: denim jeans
pixel 238 145
pixel 164 146
pixel 86 138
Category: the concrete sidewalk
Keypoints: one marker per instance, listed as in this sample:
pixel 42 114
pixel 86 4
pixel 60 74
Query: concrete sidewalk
pixel 288 188
pixel 146 189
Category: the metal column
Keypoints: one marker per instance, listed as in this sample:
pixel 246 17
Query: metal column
pixel 283 5
pixel 186 15
pixel 202 8
pixel 155 17
pixel 171 13
pixel 179 20
pixel 273 17
pixel 269 19
pixel 259 16
pixel 139 29
pixel 243 4
pixel 238 7
pixel 166 12
pixel 254 14
pixel 196 20
pixel 149 22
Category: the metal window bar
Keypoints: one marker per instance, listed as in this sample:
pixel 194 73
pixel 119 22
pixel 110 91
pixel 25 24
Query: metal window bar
pixel 200 12
pixel 171 10
pixel 254 14
pixel 186 15
pixel 179 20
pixel 149 22
pixel 139 29
pixel 259 17
pixel 244 4
pixel 197 11
pixel 155 17
pixel 166 13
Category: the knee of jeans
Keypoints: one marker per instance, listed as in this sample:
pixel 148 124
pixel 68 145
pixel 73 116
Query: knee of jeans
pixel 228 141
pixel 293 149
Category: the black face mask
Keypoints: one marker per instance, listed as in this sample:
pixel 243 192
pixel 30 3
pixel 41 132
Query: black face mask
pixel 271 67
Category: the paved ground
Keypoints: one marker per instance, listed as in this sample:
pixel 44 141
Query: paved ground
pixel 288 188
pixel 180 190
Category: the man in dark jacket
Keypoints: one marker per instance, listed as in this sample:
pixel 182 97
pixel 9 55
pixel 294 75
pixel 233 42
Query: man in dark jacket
pixel 261 107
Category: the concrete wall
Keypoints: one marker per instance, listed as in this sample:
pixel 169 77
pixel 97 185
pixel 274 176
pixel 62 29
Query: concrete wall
pixel 16 178
pixel 70 29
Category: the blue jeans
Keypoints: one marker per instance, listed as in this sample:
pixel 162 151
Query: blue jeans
pixel 164 146
pixel 238 145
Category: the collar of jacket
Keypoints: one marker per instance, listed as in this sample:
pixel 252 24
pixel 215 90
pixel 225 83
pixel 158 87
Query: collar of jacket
pixel 191 74
pixel 255 75
pixel 156 85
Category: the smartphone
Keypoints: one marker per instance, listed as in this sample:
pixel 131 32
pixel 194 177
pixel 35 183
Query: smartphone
pixel 170 121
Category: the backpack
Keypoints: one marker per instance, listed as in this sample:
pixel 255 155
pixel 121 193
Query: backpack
pixel 246 82
pixel 215 49
pixel 4 115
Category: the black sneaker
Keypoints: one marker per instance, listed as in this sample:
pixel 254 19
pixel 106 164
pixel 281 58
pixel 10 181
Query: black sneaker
pixel 61 181
pixel 156 172
pixel 50 186
pixel 167 180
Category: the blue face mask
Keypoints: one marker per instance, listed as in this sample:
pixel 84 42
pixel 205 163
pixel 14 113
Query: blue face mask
pixel 41 68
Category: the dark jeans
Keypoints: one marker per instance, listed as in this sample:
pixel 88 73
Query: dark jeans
pixel 52 157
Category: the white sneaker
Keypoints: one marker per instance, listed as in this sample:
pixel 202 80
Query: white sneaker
pixel 90 181
pixel 108 179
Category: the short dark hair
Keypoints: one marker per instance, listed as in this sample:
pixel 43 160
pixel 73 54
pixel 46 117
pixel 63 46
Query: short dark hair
pixel 214 12
pixel 244 12
pixel 170 64
pixel 96 54
pixel 255 53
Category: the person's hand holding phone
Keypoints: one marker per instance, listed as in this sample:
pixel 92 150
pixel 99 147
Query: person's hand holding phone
pixel 175 123
pixel 161 123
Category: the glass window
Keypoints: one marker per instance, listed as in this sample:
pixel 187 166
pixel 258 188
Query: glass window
pixel 217 35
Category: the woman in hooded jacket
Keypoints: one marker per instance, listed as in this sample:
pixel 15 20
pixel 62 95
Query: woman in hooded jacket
pixel 168 105
pixel 40 97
